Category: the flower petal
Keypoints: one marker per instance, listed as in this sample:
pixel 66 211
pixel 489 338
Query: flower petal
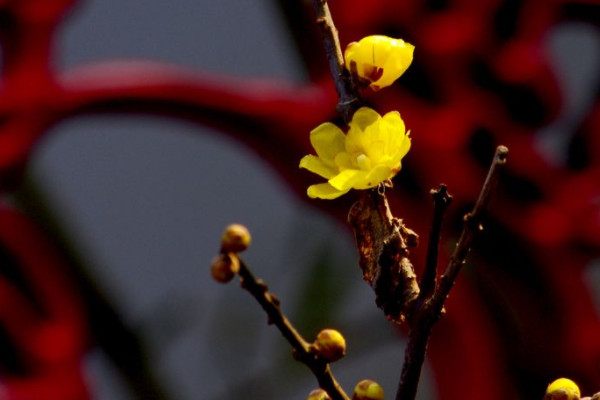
pixel 324 191
pixel 364 117
pixel 342 161
pixel 348 179
pixel 356 140
pixel 376 176
pixel 316 165
pixel 327 140
pixel 400 58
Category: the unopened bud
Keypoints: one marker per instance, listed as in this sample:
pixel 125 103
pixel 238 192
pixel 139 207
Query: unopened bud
pixel 330 344
pixel 236 238
pixel 367 390
pixel 318 394
pixel 562 389
pixel 224 267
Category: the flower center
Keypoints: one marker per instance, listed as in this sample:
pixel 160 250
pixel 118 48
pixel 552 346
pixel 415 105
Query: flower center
pixel 364 162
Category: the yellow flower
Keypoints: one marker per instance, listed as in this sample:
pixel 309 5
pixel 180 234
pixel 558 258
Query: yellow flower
pixel 369 154
pixel 378 60
pixel 562 389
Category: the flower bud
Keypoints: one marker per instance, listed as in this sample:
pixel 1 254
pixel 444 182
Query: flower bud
pixel 330 344
pixel 236 238
pixel 562 389
pixel 224 267
pixel 318 394
pixel 367 390
pixel 378 60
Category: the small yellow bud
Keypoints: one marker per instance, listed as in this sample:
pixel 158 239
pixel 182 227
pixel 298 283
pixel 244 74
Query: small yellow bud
pixel 318 394
pixel 224 267
pixel 367 390
pixel 330 344
pixel 378 60
pixel 236 238
pixel 562 389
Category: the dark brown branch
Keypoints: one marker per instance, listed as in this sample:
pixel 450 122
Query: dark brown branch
pixel 472 225
pixel 349 100
pixel 302 349
pixel 383 244
pixel 441 201
pixel 432 310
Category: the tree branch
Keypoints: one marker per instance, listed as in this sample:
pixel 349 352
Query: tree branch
pixel 302 349
pixel 349 99
pixel 431 311
pixel 472 225
pixel 441 201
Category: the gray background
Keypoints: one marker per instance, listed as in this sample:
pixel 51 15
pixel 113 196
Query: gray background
pixel 147 198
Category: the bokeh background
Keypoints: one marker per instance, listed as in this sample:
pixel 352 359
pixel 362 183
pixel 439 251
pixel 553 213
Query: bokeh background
pixel 143 199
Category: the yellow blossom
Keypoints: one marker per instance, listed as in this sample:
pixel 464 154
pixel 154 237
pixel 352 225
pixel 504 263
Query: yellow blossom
pixel 369 154
pixel 378 60
pixel 562 389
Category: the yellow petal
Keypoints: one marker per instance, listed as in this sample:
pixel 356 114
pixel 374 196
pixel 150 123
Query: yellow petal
pixel 379 59
pixel 376 137
pixel 402 149
pixel 401 56
pixel 363 117
pixel 394 119
pixel 356 140
pixel 327 140
pixel 376 176
pixel 342 161
pixel 347 179
pixel 315 165
pixel 562 388
pixel 395 132
pixel 324 191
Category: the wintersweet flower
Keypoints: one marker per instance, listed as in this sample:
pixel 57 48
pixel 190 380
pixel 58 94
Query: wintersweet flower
pixel 378 60
pixel 369 154
pixel 562 389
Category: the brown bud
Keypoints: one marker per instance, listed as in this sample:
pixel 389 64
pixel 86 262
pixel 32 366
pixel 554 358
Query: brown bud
pixel 236 238
pixel 224 267
pixel 318 394
pixel 330 344
pixel 367 390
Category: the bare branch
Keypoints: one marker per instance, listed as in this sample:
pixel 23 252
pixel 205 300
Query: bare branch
pixel 302 349
pixel 431 311
pixel 441 201
pixel 349 99
pixel 472 225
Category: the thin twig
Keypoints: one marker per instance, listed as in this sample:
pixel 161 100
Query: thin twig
pixel 432 310
pixel 472 225
pixel 441 201
pixel 302 349
pixel 348 97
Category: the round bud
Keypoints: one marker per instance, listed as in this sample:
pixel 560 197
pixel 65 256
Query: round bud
pixel 224 267
pixel 330 344
pixel 562 389
pixel 318 394
pixel 367 390
pixel 236 238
